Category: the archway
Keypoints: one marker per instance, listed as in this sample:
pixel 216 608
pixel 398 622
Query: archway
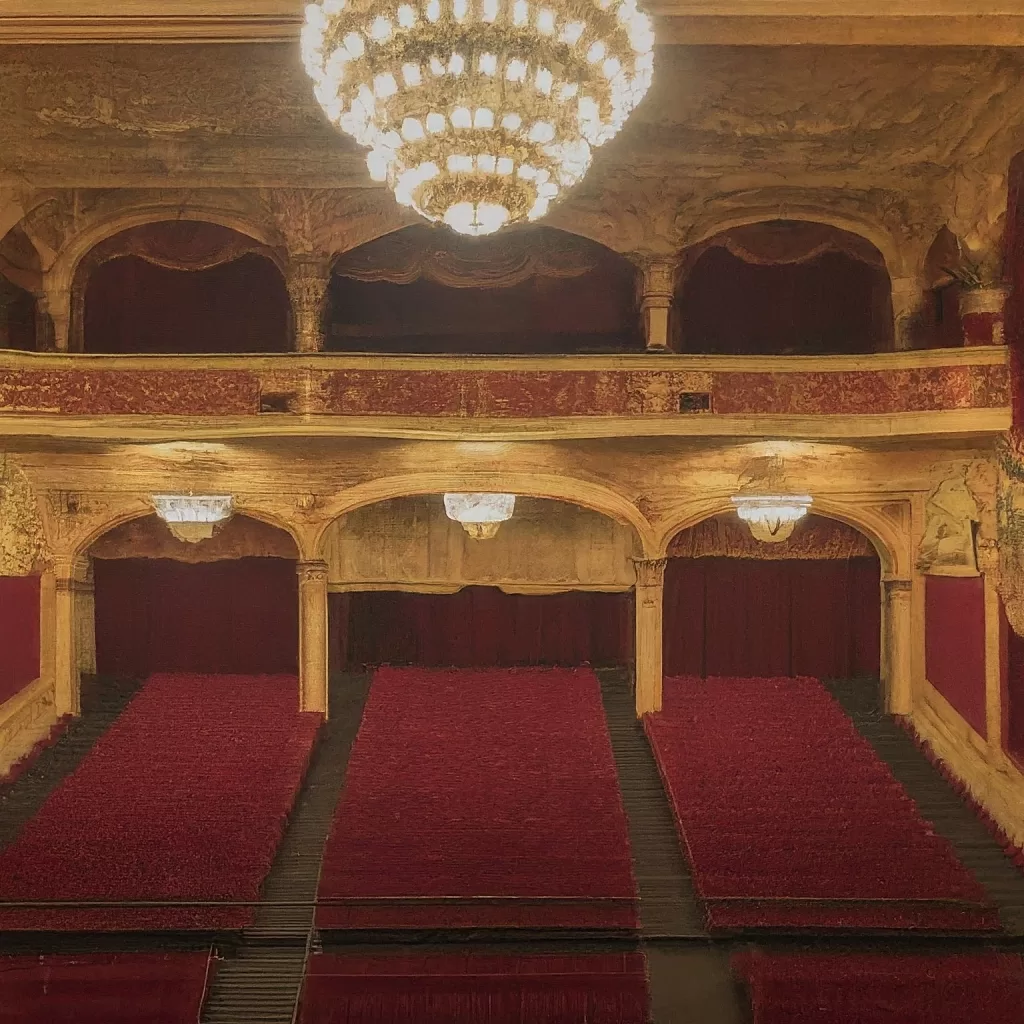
pixel 537 290
pixel 180 287
pixel 808 606
pixel 225 605
pixel 20 286
pixel 409 586
pixel 783 287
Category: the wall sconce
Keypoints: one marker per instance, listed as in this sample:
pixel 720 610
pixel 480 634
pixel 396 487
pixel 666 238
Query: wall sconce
pixel 193 517
pixel 480 515
pixel 771 517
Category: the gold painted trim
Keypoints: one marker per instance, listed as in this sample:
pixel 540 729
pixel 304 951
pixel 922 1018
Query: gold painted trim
pixel 990 355
pixel 970 422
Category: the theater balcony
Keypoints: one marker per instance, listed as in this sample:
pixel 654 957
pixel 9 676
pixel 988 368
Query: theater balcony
pixel 934 392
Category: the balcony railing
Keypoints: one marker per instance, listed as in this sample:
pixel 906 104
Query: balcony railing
pixel 944 391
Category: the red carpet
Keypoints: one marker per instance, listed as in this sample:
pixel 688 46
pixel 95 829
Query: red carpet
pixel 103 988
pixel 791 819
pixel 793 988
pixel 489 783
pixel 184 798
pixel 607 989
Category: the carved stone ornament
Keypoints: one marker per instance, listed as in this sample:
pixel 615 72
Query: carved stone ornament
pixel 22 542
pixel 650 572
pixel 312 572
pixel 1010 510
pixel 948 547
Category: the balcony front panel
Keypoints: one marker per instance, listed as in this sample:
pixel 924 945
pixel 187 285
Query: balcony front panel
pixel 666 394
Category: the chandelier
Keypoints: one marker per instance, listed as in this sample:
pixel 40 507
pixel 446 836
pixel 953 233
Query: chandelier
pixel 193 517
pixel 771 517
pixel 480 515
pixel 478 113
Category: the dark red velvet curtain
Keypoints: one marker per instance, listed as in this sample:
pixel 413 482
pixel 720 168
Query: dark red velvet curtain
pixel 955 643
pixel 1015 695
pixel 760 617
pixel 135 306
pixel 19 633
pixel 831 304
pixel 482 626
pixel 159 615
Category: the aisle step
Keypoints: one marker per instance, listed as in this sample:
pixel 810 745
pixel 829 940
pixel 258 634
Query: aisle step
pixel 262 982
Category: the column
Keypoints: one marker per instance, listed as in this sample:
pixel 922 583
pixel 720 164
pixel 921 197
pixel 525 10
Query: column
pixel 981 313
pixel 85 619
pixel 656 301
pixel 650 592
pixel 70 575
pixel 907 298
pixel 988 563
pixel 313 636
pixel 307 279
pixel 897 632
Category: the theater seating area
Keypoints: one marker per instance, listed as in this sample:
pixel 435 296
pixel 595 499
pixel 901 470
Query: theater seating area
pixel 801 988
pixel 792 821
pixel 103 988
pixel 185 799
pixel 476 989
pixel 492 792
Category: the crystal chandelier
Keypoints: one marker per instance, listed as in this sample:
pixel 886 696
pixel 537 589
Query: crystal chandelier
pixel 193 517
pixel 480 515
pixel 478 113
pixel 771 517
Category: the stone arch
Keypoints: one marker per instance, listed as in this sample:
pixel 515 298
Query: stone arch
pixel 576 492
pixel 142 509
pixel 771 210
pixel 893 550
pixel 83 241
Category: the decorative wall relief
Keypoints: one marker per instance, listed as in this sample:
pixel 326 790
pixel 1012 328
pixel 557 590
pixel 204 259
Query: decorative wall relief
pixel 22 543
pixel 410 544
pixel 1010 511
pixel 951 517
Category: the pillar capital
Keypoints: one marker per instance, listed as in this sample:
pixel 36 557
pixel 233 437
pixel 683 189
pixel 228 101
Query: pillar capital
pixel 650 572
pixel 312 572
pixel 897 585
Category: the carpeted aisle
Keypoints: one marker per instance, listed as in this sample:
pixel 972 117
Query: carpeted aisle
pixel 184 798
pixel 475 989
pixel 830 988
pixel 469 784
pixel 791 820
pixel 103 988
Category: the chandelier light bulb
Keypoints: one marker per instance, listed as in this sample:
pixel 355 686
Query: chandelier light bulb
pixel 772 517
pixel 507 84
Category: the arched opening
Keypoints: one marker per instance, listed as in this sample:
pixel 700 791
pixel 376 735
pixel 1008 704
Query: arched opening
pixel 783 287
pixel 20 284
pixel 409 586
pixel 808 606
pixel 224 605
pixel 181 287
pixel 533 291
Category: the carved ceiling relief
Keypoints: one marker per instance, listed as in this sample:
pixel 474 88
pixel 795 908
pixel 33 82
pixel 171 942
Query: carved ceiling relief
pixel 22 542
